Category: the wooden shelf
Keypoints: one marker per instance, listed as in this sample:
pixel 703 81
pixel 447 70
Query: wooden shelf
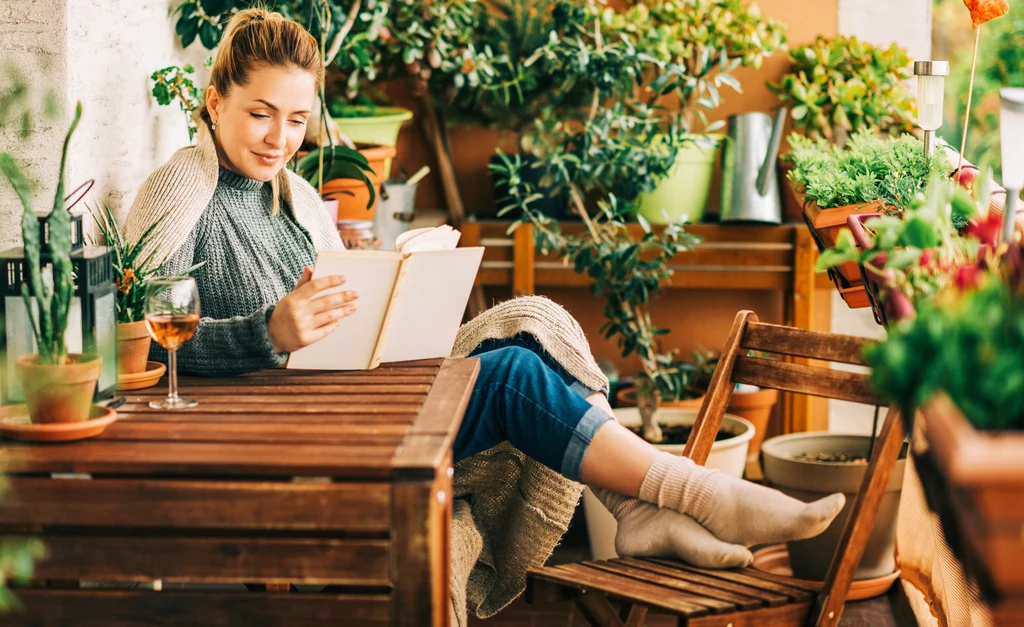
pixel 729 257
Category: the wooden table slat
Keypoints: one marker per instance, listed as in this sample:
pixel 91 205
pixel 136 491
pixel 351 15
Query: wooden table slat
pixel 221 559
pixel 202 458
pixel 324 433
pixel 223 407
pixel 249 397
pixel 296 420
pixel 360 507
pixel 130 608
pixel 209 387
pixel 187 384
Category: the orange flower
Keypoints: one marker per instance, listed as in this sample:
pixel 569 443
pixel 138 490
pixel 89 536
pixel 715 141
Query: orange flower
pixel 985 10
pixel 126 281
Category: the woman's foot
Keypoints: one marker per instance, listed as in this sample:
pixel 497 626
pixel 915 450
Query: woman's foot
pixel 646 530
pixel 734 510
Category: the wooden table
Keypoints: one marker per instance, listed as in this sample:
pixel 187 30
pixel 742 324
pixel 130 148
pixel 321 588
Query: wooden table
pixel 280 477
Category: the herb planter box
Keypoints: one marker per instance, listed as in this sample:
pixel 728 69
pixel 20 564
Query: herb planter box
pixel 827 223
pixel 975 483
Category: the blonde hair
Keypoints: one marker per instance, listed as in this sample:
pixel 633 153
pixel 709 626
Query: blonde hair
pixel 257 38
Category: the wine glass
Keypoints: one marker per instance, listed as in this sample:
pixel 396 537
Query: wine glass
pixel 172 317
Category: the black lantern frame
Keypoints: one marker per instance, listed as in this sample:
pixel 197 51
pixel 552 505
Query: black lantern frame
pixel 93 322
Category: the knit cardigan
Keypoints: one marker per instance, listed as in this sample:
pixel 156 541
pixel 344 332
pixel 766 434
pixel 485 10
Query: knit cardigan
pixel 509 511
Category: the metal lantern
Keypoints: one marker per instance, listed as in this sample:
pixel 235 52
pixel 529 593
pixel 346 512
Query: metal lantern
pixel 930 91
pixel 1011 123
pixel 92 321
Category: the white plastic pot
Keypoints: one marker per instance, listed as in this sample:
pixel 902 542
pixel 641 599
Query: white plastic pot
pixel 728 455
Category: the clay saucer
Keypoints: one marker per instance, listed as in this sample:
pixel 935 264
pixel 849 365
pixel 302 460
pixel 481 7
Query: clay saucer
pixel 775 559
pixel 145 379
pixel 15 425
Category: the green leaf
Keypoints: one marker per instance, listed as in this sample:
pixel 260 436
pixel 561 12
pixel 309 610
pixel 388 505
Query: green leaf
pixel 209 35
pixel 215 7
pixel 919 233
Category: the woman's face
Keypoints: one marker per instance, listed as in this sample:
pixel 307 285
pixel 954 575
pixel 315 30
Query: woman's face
pixel 260 125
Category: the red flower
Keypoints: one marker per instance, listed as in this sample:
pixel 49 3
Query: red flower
pixel 986 230
pixel 967 277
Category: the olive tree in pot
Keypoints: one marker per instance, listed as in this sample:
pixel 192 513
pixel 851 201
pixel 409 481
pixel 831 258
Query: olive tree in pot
pixel 600 156
pixel 58 386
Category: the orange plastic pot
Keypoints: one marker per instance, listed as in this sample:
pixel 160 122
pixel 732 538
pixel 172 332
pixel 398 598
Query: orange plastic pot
pixel 353 195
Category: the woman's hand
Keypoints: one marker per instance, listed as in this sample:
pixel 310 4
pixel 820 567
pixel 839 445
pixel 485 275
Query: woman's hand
pixel 301 319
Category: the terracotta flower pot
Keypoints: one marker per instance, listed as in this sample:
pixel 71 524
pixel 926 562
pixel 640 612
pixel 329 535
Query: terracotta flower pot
pixel 626 397
pixel 352 195
pixel 757 408
pixel 133 341
pixel 827 223
pixel 61 393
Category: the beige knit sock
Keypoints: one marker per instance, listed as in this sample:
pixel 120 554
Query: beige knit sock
pixel 734 510
pixel 649 531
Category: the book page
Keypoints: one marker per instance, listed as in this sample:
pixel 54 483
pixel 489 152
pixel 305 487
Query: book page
pixel 442 237
pixel 430 299
pixel 409 235
pixel 350 346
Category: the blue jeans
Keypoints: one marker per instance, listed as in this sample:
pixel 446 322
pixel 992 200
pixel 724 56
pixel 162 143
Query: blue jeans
pixel 524 396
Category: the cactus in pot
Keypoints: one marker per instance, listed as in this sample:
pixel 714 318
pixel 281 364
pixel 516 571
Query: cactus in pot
pixel 58 386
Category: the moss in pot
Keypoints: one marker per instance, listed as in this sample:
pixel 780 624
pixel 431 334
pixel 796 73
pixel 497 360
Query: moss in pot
pixel 808 466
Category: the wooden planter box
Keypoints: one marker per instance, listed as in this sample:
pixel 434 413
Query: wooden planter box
pixel 976 484
pixel 824 225
pixel 827 223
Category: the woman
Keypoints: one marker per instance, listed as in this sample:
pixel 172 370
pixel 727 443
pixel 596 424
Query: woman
pixel 258 226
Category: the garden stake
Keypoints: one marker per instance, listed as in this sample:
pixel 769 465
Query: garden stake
pixel 970 93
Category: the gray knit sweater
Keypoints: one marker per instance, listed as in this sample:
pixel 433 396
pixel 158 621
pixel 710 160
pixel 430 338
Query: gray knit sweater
pixel 251 259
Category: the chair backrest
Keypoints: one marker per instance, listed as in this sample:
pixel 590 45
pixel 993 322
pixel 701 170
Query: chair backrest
pixel 768 369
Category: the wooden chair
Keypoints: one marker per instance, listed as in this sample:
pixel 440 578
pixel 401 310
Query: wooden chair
pixel 747 597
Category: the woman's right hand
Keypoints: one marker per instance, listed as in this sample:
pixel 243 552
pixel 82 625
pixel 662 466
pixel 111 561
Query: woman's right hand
pixel 301 319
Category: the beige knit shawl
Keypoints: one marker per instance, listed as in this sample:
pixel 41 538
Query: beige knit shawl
pixel 509 511
pixel 182 189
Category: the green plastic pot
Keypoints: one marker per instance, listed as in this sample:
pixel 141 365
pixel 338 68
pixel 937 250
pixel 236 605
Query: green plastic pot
pixel 686 189
pixel 373 125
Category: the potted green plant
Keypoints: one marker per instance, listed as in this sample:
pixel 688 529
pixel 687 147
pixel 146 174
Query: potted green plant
pixel 58 386
pixel 970 400
pixel 175 84
pixel 909 257
pixel 707 40
pixel 869 174
pixel 133 270
pixel 838 86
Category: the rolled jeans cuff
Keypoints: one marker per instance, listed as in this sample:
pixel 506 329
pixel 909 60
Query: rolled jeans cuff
pixel 582 435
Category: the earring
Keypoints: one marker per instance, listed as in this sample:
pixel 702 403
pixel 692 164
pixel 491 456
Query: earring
pixel 213 126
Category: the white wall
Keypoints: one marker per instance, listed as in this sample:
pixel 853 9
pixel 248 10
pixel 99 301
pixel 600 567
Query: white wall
pixel 102 53
pixel 908 23
pixel 32 38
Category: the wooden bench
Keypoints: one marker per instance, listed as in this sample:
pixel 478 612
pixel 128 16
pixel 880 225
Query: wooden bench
pixel 747 597
pixel 341 481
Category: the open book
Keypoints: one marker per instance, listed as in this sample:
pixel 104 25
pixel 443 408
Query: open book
pixel 410 305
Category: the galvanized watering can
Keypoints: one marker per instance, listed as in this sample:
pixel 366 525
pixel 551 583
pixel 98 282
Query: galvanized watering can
pixel 750 187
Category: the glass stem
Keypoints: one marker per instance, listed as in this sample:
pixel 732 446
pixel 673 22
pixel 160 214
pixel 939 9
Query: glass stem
pixel 172 362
